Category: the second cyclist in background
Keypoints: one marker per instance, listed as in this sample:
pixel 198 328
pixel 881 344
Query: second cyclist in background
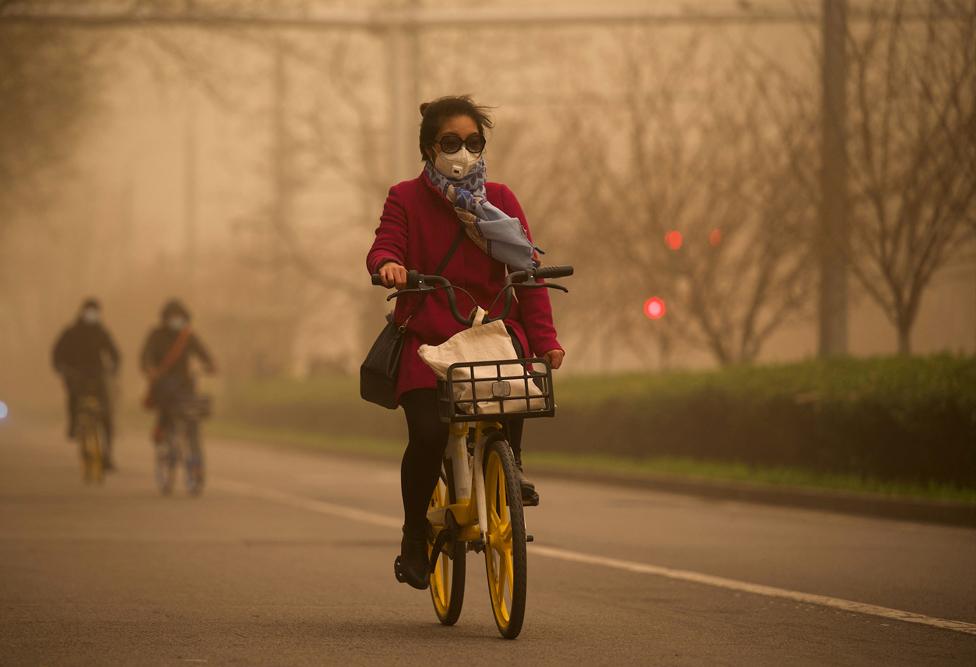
pixel 166 358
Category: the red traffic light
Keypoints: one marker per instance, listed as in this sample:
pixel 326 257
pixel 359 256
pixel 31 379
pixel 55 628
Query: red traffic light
pixel 674 239
pixel 715 237
pixel 654 308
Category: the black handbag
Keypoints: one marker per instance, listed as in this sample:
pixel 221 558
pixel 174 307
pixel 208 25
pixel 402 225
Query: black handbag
pixel 378 373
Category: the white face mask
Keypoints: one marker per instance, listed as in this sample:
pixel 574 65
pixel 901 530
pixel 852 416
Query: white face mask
pixel 176 322
pixel 456 165
pixel 89 316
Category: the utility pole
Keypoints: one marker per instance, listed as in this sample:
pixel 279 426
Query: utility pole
pixel 834 231
pixel 404 80
pixel 128 207
pixel 190 189
pixel 280 209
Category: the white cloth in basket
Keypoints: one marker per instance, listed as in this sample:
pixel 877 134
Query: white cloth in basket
pixel 484 342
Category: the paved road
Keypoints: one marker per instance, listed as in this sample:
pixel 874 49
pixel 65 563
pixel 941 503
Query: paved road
pixel 287 557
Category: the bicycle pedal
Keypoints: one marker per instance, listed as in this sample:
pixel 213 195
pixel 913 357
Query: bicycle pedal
pixel 529 537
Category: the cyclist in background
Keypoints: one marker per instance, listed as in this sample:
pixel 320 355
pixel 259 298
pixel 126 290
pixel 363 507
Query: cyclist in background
pixel 84 356
pixel 166 359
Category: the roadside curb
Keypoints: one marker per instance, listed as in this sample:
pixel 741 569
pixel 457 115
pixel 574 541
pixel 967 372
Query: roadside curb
pixel 903 509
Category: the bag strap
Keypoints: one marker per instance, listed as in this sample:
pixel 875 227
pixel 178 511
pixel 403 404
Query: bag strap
pixel 174 352
pixel 440 267
pixel 450 253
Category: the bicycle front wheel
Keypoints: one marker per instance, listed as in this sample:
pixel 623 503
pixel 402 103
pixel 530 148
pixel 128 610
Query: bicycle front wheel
pixel 165 465
pixel 447 577
pixel 194 465
pixel 505 557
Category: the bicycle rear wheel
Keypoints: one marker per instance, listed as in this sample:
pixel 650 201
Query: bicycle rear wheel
pixel 194 464
pixel 447 578
pixel 505 557
pixel 93 449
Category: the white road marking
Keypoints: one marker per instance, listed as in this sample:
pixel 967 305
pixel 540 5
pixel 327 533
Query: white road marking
pixel 354 514
pixel 320 506
pixel 757 589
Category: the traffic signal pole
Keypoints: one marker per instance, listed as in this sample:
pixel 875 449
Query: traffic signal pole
pixel 834 231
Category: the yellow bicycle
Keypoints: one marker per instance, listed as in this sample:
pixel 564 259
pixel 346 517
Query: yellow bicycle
pixel 477 503
pixel 90 434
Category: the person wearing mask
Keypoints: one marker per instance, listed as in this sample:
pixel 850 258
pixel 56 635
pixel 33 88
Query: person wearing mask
pixel 85 356
pixel 422 218
pixel 166 357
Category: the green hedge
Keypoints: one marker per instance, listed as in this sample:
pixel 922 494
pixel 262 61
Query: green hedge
pixel 900 419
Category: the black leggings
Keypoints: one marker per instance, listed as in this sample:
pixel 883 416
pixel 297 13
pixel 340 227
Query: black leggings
pixel 425 450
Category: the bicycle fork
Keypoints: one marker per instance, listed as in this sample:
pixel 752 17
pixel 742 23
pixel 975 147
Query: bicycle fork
pixel 479 489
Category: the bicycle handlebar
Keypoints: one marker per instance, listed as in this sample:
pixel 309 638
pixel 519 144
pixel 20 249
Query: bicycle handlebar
pixel 420 283
pixel 541 272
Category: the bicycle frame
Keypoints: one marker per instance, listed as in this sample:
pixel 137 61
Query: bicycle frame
pixel 466 513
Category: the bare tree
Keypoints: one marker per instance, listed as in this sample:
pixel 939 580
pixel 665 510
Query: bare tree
pixel 48 84
pixel 912 149
pixel 689 198
pixel 49 95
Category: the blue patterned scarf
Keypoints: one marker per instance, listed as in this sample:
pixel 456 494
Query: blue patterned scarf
pixel 499 235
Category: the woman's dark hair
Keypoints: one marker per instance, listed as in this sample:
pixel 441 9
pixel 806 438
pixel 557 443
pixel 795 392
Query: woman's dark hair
pixel 437 112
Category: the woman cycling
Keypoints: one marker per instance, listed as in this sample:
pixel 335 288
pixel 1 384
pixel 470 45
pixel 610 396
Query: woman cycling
pixel 450 212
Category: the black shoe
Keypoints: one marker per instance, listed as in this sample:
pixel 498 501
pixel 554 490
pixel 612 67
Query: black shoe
pixel 530 497
pixel 412 565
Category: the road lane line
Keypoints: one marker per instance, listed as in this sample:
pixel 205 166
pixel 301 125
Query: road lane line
pixel 757 589
pixel 354 514
pixel 320 506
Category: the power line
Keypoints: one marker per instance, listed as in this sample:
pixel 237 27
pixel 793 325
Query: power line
pixel 107 14
pixel 110 15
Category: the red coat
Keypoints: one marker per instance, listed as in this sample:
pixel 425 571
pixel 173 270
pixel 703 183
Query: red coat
pixel 416 230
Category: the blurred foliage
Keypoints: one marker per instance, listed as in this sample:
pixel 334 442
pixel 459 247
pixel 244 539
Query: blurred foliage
pixel 909 420
pixel 895 381
pixel 898 420
pixel 49 91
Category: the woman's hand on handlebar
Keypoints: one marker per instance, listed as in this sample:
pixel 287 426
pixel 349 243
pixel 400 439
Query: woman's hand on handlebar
pixel 393 274
pixel 555 358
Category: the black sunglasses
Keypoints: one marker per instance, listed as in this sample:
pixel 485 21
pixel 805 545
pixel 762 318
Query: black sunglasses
pixel 451 143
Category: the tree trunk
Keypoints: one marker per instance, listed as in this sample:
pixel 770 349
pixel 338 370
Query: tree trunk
pixel 664 352
pixel 904 338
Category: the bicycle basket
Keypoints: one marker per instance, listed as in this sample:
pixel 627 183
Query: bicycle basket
pixel 479 390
